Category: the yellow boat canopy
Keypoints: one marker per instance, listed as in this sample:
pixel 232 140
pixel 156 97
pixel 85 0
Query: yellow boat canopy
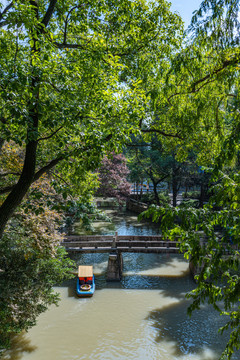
pixel 85 271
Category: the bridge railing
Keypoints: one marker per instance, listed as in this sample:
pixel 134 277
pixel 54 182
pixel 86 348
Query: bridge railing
pixel 118 242
pixel 124 243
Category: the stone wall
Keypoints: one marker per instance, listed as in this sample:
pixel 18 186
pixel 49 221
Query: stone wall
pixel 136 206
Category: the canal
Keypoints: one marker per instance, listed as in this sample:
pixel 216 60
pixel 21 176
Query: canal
pixel 144 317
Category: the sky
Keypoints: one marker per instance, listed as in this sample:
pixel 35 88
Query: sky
pixel 185 8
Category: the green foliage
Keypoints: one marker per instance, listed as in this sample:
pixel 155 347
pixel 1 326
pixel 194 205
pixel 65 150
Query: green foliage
pixel 209 237
pixel 150 198
pixel 189 203
pixel 76 81
pixel 71 90
pixel 78 210
pixel 219 20
pixel 196 109
pixel 71 86
pixel 191 194
pixel 26 281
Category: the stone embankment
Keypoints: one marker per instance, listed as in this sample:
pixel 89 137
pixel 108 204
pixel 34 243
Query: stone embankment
pixel 136 206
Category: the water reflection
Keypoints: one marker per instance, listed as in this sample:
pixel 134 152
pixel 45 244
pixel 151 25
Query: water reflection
pixel 20 344
pixel 124 222
pixel 190 335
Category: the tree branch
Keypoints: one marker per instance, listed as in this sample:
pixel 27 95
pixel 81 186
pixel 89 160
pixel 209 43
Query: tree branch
pixel 6 189
pixel 10 173
pixel 137 145
pixel 68 46
pixel 193 88
pixel 162 133
pixel 59 177
pixel 49 12
pixel 6 10
pixel 3 23
pixel 37 175
pixel 46 168
pixel 225 64
pixel 66 23
pixel 51 135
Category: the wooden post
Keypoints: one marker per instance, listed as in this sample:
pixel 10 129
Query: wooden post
pixel 114 243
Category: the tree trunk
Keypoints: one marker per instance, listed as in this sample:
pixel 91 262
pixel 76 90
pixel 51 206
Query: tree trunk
pixel 1 144
pixel 19 191
pixel 16 196
pixel 174 191
pixel 155 192
pixel 202 194
pixel 174 183
pixel 137 190
pixel 141 190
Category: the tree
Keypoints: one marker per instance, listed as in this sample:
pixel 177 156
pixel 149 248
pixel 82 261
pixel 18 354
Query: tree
pixel 69 93
pixel 149 158
pixel 32 261
pixel 61 68
pixel 158 164
pixel 201 102
pixel 113 177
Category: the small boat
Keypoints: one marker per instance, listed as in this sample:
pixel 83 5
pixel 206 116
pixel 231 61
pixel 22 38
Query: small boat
pixel 85 281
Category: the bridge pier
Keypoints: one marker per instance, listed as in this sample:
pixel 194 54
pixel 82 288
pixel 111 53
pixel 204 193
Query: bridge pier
pixel 115 266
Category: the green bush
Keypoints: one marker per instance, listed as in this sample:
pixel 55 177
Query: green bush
pixel 191 194
pixel 149 198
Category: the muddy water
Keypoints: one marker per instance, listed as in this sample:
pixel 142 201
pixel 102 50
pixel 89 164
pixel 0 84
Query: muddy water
pixel 141 318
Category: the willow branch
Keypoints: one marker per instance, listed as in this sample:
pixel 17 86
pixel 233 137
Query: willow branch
pixel 225 64
pixel 203 81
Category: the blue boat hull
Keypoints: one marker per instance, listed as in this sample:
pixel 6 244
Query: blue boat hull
pixel 85 293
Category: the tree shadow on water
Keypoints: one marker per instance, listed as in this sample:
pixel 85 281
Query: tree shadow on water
pixel 197 334
pixel 142 262
pixel 20 345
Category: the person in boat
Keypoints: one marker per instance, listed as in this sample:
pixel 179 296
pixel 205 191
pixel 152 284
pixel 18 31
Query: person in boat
pixel 82 281
pixel 89 280
pixel 85 280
